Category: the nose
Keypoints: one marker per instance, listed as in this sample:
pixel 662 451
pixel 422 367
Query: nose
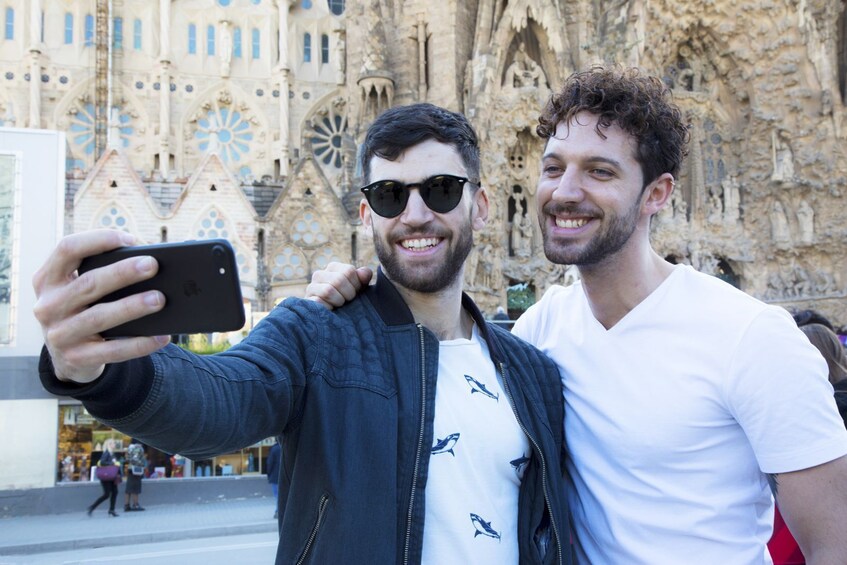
pixel 569 187
pixel 416 212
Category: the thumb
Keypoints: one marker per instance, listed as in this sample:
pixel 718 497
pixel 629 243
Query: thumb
pixel 365 275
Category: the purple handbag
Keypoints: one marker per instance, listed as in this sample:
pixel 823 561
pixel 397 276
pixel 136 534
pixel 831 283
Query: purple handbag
pixel 107 472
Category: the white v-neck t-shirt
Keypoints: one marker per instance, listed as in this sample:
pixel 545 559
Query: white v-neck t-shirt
pixel 476 463
pixel 674 415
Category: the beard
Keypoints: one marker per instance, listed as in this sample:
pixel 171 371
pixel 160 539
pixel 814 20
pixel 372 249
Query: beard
pixel 617 232
pixel 432 277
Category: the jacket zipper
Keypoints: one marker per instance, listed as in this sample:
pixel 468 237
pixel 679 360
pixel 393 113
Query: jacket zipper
pixel 311 540
pixel 418 452
pixel 543 462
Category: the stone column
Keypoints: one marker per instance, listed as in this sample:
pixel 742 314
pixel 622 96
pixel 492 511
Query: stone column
pixel 35 64
pixel 422 88
pixel 164 87
pixel 282 73
pixel 164 118
pixel 164 30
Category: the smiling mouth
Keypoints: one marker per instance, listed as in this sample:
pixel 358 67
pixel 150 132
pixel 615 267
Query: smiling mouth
pixel 571 223
pixel 420 244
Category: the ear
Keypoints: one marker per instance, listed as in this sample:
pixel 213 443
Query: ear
pixel 479 212
pixel 365 214
pixel 658 193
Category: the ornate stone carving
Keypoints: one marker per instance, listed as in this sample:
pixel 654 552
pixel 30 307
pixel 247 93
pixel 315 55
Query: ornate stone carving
pixel 524 72
pixel 806 223
pixel 783 156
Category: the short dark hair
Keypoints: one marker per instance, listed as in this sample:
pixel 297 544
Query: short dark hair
pixel 399 128
pixel 638 103
pixel 805 317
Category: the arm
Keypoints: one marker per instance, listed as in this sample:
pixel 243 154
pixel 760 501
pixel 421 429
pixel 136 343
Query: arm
pixel 204 405
pixel 72 326
pixel 813 503
pixel 337 284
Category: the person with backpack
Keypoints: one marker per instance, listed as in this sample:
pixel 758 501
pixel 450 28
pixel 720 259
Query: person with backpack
pixel 136 463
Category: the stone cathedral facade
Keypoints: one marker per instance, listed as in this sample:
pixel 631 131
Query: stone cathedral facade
pixel 241 119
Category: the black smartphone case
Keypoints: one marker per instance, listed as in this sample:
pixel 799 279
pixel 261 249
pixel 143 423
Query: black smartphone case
pixel 199 280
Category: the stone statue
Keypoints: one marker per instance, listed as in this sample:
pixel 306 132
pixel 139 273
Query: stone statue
pixel 226 48
pixel 806 221
pixel 779 223
pixel 521 235
pixel 524 71
pixel 731 199
pixel 214 145
pixel 715 208
pixel 783 157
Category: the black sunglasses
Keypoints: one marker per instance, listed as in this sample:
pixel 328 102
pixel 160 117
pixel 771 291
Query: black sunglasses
pixel 440 193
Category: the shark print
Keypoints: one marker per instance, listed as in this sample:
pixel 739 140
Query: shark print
pixel 446 445
pixel 483 528
pixel 477 386
pixel 519 464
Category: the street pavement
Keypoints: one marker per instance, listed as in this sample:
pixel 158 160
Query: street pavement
pixel 159 523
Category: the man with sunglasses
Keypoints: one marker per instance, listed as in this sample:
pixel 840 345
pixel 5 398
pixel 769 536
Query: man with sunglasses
pixel 414 432
pixel 688 402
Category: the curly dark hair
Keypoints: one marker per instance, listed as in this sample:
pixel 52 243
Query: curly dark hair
pixel 638 103
pixel 399 128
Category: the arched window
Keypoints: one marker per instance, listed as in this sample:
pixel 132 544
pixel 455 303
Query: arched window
pixel 210 40
pixel 88 39
pixel 118 33
pixel 306 4
pixel 336 6
pixel 69 28
pixel 192 39
pixel 236 43
pixel 136 34
pixel 324 49
pixel 307 47
pixel 10 23
pixel 255 40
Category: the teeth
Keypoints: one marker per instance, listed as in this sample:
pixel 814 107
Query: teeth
pixel 419 243
pixel 570 223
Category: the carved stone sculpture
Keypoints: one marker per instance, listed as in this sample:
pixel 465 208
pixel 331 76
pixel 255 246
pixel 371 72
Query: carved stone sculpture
pixel 806 221
pixel 783 156
pixel 779 223
pixel 524 71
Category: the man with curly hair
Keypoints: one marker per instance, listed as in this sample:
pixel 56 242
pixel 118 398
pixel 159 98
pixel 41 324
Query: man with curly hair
pixel 688 403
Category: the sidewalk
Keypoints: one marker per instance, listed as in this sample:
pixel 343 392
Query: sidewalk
pixel 163 522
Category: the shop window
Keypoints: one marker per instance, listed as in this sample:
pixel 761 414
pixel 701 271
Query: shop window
pixel 82 440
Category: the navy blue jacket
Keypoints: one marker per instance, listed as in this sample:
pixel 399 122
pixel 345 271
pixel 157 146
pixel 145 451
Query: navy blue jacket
pixel 352 393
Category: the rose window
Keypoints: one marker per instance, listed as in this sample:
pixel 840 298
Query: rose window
pixel 82 128
pixel 226 132
pixel 326 139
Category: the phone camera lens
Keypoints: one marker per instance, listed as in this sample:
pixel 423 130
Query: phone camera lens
pixel 218 252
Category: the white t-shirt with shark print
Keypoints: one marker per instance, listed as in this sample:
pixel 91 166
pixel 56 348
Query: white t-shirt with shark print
pixel 478 458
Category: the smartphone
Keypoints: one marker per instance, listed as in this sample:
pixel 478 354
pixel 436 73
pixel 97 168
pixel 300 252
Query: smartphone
pixel 199 280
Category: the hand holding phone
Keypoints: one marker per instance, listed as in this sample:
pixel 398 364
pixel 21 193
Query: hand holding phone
pixel 199 280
